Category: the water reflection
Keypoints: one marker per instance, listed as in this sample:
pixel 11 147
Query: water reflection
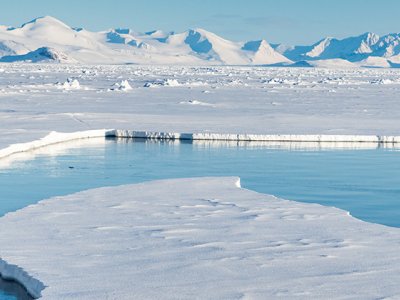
pixel 358 177
pixel 63 148
pixel 11 290
pixel 51 151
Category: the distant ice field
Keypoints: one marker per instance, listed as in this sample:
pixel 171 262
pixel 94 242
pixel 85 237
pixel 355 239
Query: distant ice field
pixel 363 181
pixel 37 99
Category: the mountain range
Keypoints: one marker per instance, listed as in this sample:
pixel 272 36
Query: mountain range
pixel 47 39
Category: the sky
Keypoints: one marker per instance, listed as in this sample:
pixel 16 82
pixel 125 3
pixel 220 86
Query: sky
pixel 292 22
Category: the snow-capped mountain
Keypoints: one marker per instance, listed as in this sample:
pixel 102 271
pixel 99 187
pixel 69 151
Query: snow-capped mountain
pixel 352 48
pixel 388 45
pixel 368 50
pixel 261 53
pixel 47 39
pixel 42 54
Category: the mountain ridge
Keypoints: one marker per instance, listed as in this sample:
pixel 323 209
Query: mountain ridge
pixel 47 39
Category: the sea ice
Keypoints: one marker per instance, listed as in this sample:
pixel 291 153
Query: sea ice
pixel 195 238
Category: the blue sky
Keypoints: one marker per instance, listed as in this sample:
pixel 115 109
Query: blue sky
pixel 284 21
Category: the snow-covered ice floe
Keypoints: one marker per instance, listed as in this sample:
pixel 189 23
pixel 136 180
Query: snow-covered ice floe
pixel 50 139
pixel 338 141
pixel 195 238
pixel 256 137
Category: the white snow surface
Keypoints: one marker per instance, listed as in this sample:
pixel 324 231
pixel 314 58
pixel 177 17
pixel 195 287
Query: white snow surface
pixel 301 104
pixel 195 238
pixel 202 238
